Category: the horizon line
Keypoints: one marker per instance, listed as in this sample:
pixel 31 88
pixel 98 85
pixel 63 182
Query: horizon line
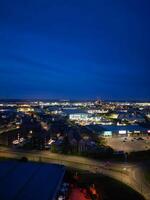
pixel 61 99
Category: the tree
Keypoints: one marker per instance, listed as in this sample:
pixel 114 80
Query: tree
pixel 54 148
pixel 65 145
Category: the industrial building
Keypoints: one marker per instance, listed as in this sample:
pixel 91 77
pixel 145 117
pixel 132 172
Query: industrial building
pixel 112 130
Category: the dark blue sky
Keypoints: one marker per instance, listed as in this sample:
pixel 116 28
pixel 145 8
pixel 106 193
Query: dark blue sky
pixel 75 49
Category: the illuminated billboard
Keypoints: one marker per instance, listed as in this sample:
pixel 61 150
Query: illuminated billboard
pixel 107 133
pixel 122 132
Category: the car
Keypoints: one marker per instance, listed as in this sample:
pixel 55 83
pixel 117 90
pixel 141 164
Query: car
pixel 140 138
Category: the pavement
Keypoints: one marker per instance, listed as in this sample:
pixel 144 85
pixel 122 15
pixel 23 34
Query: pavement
pixel 5 130
pixel 129 144
pixel 128 173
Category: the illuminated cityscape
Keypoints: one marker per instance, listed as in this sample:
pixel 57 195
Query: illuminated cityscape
pixel 100 130
pixel 74 100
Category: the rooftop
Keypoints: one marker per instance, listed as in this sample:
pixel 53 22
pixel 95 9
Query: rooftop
pixel 27 180
pixel 100 128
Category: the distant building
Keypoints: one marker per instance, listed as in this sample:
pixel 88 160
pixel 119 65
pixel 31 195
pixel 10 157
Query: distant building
pixel 25 109
pixel 97 111
pixel 110 130
pixel 79 116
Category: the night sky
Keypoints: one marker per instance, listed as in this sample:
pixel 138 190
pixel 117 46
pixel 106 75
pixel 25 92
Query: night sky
pixel 75 49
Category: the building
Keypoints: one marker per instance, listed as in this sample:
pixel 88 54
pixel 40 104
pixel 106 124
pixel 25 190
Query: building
pixel 27 180
pixel 111 130
pixel 97 111
pixel 79 117
pixel 86 119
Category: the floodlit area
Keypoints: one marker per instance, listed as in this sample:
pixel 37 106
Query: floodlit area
pixel 77 194
pixel 129 144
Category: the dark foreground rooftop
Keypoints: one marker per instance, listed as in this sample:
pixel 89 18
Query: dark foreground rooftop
pixel 29 181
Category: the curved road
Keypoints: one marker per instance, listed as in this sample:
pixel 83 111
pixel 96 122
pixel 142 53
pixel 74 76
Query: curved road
pixel 128 173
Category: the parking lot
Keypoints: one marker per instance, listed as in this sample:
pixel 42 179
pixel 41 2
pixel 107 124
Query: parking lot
pixel 129 144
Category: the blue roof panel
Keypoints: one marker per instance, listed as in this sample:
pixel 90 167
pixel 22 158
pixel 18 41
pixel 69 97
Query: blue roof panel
pixel 14 181
pixel 43 185
pixel 29 180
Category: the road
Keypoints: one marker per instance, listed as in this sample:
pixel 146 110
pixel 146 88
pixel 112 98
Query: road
pixel 5 130
pixel 128 173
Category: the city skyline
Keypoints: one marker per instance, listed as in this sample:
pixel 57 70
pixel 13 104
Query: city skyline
pixel 74 50
pixel 70 100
